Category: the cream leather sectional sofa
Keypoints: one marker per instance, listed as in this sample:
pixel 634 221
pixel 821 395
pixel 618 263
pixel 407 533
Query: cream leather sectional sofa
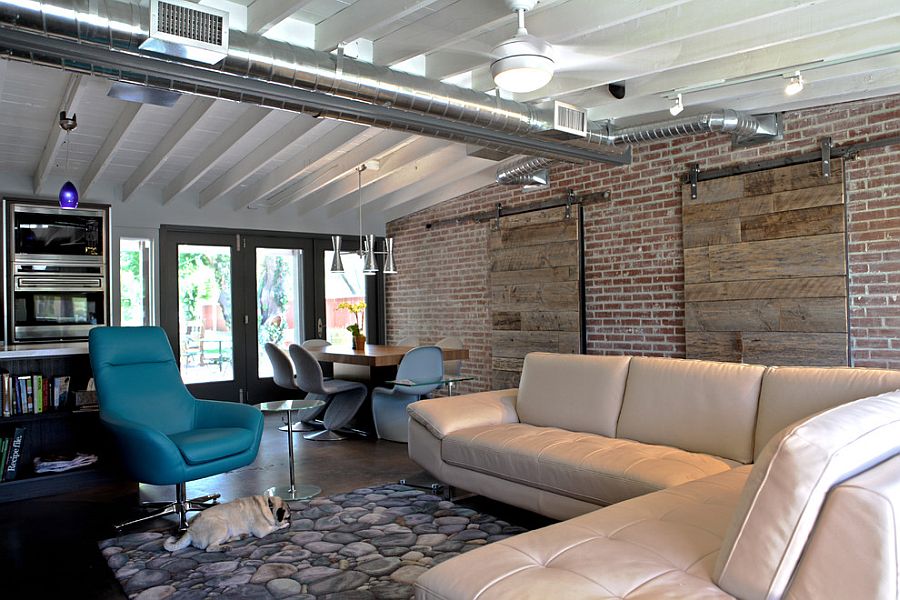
pixel 670 444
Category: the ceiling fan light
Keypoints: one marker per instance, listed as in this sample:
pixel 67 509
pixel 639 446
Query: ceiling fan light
pixel 795 85
pixel 524 64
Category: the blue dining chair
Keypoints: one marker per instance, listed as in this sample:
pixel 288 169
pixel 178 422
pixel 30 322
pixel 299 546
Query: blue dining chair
pixel 426 364
pixel 165 435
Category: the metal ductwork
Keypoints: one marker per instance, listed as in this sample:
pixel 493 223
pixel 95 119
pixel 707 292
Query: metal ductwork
pixel 104 38
pixel 529 170
pixel 739 124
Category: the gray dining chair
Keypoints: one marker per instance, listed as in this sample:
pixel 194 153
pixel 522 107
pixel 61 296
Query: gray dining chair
pixel 425 364
pixel 452 368
pixel 342 398
pixel 409 340
pixel 283 375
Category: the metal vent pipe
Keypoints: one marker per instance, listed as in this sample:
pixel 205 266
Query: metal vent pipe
pixel 102 37
pixel 723 121
pixel 530 170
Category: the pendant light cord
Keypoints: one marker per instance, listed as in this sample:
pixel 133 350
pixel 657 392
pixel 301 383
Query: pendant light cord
pixel 359 199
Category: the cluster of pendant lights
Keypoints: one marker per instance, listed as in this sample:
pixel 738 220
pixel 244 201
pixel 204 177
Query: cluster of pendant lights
pixel 366 249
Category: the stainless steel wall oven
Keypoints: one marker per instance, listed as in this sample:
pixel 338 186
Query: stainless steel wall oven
pixel 58 271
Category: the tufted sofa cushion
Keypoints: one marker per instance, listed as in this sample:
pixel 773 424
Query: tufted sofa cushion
pixel 659 545
pixel 591 468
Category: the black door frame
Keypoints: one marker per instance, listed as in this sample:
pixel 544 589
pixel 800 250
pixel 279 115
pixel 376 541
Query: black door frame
pixel 246 386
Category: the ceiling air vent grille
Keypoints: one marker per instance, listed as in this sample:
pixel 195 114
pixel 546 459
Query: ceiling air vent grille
pixel 189 23
pixel 186 30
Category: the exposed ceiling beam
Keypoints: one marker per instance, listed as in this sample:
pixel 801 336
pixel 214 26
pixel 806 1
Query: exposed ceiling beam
pixel 257 158
pixel 204 161
pixel 454 21
pixel 262 15
pixel 770 59
pixel 356 20
pixel 343 192
pixel 195 112
pixel 564 22
pixel 72 96
pixel 127 118
pixel 339 134
pixel 454 189
pixel 435 166
pixel 345 165
pixel 788 30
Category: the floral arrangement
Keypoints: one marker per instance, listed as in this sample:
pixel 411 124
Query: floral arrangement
pixel 358 310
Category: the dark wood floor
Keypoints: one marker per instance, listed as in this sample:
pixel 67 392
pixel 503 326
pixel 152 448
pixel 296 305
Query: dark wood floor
pixel 49 545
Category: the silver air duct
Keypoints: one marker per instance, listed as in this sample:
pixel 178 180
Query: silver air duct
pixel 104 37
pixel 724 121
pixel 530 170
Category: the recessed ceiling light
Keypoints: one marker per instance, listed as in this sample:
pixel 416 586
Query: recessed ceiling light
pixel 795 85
pixel 676 108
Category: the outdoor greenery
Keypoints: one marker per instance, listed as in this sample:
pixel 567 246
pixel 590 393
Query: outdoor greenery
pixel 271 299
pixel 204 277
pixel 132 287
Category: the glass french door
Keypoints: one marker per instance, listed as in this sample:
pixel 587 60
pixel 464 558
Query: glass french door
pixel 200 312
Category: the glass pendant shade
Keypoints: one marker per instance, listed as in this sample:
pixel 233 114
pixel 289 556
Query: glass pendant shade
pixel 337 265
pixel 370 267
pixel 389 256
pixel 68 195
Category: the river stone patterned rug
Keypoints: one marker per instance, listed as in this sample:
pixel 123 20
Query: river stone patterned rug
pixel 370 543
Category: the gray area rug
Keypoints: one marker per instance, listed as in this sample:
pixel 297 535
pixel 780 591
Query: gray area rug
pixel 366 544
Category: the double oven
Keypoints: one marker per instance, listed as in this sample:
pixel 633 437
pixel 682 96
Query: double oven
pixel 57 266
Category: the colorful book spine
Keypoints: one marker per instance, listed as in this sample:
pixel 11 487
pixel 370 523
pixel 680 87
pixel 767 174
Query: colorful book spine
pixel 5 393
pixel 37 389
pixel 4 454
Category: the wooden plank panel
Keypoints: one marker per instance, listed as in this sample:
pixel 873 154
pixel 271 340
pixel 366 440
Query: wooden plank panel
pixel 503 320
pixel 501 380
pixel 814 349
pixel 800 287
pixel 534 235
pixel 550 321
pixel 712 233
pixel 538 257
pixel 714 190
pixel 569 342
pixel 536 217
pixel 812 256
pixel 758 205
pixel 552 274
pixel 507 364
pixel 782 314
pixel 793 177
pixel 825 195
pixel 696 265
pixel 793 223
pixel 562 295
pixel 516 344
pixel 714 345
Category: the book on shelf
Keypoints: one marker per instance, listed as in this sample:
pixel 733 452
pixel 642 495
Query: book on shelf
pixel 4 454
pixel 33 394
pixel 11 465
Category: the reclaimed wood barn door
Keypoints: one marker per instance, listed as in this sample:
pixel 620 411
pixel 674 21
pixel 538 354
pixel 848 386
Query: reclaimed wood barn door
pixel 536 285
pixel 766 267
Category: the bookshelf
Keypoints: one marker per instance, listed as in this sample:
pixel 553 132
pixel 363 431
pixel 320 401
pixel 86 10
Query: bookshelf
pixel 56 432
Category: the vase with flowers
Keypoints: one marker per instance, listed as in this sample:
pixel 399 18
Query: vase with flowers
pixel 356 329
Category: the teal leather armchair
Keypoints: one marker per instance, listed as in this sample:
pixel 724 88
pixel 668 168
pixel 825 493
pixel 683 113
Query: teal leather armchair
pixel 166 436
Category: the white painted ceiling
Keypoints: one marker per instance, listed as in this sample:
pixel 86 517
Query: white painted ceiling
pixel 718 54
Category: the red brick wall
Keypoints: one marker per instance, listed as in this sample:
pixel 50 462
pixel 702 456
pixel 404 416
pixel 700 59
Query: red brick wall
pixel 634 270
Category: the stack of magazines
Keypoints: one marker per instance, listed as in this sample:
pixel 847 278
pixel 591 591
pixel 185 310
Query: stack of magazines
pixel 58 464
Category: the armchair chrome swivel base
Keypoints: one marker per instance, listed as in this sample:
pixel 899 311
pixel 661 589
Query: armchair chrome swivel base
pixel 181 506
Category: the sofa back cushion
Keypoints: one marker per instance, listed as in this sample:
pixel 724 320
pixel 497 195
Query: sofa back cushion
pixel 572 391
pixel 853 550
pixel 696 405
pixel 787 487
pixel 793 393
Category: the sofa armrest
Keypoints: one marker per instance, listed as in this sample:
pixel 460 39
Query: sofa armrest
pixel 442 416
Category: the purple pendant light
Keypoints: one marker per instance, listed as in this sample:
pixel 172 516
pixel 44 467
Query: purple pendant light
pixel 68 193
pixel 68 196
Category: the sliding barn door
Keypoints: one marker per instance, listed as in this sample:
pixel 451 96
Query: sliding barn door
pixel 766 267
pixel 535 288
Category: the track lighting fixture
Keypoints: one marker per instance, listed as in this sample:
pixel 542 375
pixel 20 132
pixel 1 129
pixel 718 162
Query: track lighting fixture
pixel 676 108
pixel 795 85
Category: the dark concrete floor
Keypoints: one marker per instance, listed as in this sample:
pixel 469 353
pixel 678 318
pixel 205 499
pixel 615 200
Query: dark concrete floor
pixel 49 545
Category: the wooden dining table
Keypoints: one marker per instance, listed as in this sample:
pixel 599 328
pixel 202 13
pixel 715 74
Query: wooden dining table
pixel 376 355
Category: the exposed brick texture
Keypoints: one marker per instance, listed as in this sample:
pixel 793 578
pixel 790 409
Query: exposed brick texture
pixel 634 270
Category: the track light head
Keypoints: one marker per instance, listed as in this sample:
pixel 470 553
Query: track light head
pixel 795 85
pixel 677 107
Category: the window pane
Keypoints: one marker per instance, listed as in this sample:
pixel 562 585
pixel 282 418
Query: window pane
pixel 279 308
pixel 204 313
pixel 349 286
pixel 134 281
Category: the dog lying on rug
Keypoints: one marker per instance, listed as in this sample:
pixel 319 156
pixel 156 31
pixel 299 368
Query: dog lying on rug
pixel 222 523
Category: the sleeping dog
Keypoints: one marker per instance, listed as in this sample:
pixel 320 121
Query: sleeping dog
pixel 254 515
